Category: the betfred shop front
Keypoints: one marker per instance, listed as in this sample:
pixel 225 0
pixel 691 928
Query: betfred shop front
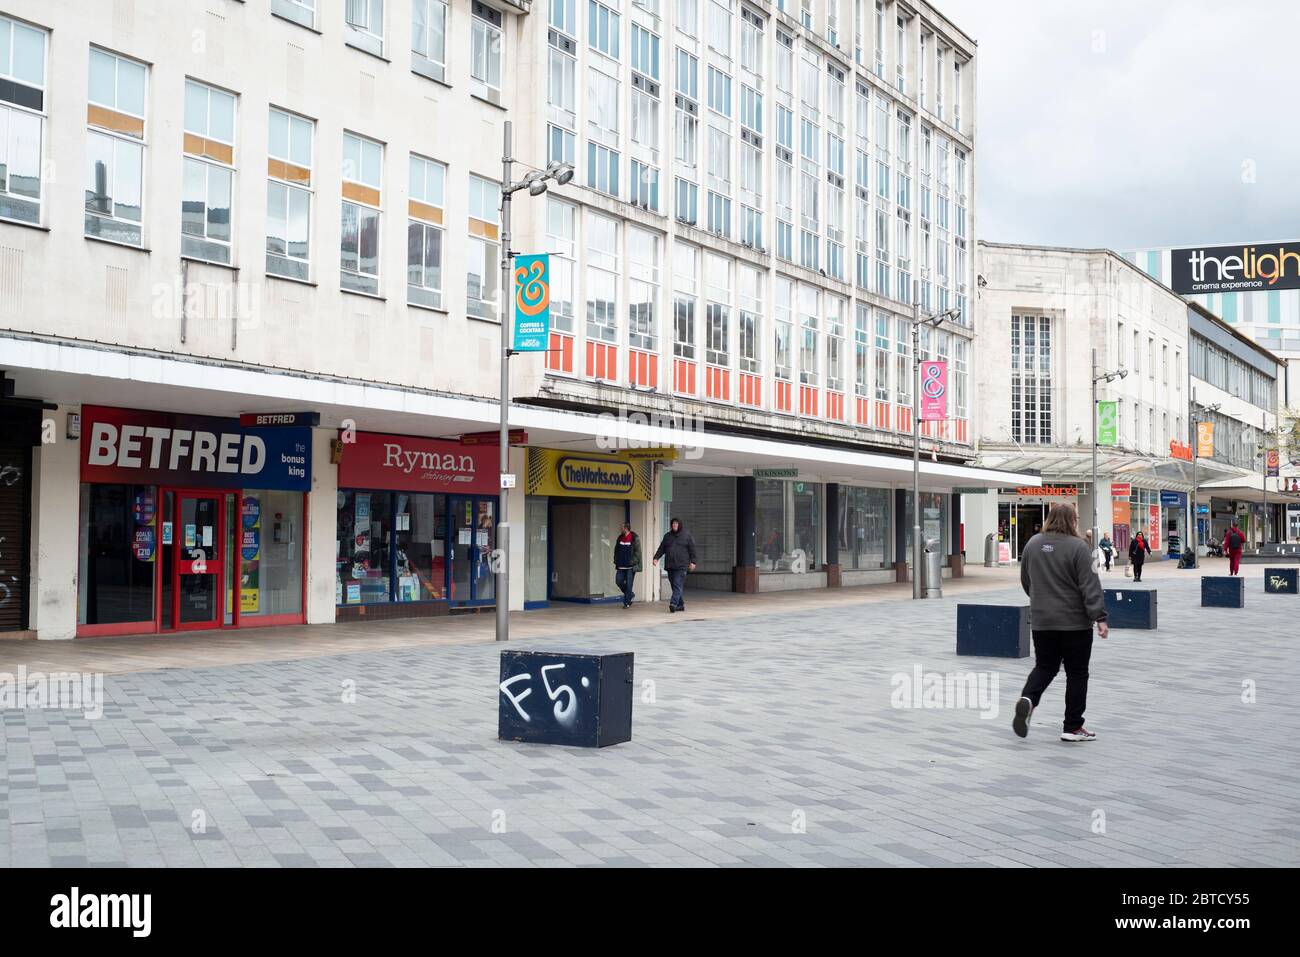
pixel 416 527
pixel 189 522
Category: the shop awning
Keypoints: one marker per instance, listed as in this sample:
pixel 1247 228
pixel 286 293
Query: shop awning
pixel 79 373
pixel 1075 465
pixel 1245 493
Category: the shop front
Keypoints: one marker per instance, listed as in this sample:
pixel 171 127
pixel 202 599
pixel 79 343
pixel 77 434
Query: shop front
pixel 189 523
pixel 20 430
pixel 1173 514
pixel 575 505
pixel 706 506
pixel 1022 511
pixel 416 527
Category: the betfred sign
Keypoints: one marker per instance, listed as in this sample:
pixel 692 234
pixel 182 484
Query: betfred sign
pixel 409 464
pixel 191 451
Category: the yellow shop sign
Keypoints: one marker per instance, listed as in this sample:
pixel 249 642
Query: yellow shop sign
pixel 557 472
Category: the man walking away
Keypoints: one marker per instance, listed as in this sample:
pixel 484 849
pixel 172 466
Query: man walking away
pixel 1065 598
pixel 1138 550
pixel 678 552
pixel 627 562
pixel 1234 540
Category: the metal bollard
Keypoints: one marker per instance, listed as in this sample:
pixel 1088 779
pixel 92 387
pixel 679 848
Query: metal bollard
pixel 932 583
pixel 990 551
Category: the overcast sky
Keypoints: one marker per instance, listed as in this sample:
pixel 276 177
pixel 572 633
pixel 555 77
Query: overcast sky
pixel 1132 124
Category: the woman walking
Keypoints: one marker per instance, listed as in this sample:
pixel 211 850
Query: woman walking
pixel 1107 548
pixel 1138 550
pixel 1065 600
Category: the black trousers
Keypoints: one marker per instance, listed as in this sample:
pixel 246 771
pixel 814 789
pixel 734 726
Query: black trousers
pixel 1051 648
pixel 623 577
pixel 1138 562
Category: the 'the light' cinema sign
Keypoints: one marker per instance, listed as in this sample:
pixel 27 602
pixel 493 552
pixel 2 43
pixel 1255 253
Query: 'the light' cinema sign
pixel 1246 268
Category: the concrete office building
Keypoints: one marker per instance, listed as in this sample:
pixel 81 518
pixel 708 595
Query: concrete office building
pixel 1255 288
pixel 1041 311
pixel 292 208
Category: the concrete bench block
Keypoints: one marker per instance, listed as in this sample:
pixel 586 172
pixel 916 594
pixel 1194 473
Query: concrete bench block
pixel 1130 608
pixel 1223 591
pixel 993 631
pixel 575 698
pixel 1282 581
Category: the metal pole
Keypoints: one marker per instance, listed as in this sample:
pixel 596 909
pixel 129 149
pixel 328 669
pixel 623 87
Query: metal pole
pixel 1095 541
pixel 1263 447
pixel 916 439
pixel 503 524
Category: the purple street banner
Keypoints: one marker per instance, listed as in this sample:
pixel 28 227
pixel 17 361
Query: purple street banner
pixel 934 391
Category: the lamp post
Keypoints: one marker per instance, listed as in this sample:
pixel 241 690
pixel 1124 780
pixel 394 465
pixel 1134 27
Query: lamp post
pixel 1102 377
pixel 535 182
pixel 917 320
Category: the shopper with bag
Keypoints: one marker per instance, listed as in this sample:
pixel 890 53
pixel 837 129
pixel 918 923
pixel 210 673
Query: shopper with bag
pixel 1234 540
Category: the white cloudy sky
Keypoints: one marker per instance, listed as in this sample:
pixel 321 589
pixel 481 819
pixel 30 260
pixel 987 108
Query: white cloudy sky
pixel 1126 123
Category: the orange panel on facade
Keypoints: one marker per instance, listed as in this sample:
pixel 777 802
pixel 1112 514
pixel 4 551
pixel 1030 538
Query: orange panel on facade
pixel 602 361
pixel 684 376
pixel 751 390
pixel 643 369
pixel 782 396
pixel 560 356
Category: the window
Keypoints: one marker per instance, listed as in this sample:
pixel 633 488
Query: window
pixel 299 11
pixel 363 162
pixel 429 38
pixel 602 278
pixel 835 315
pixel 645 120
pixel 289 195
pixel 116 144
pixel 685 131
pixel 809 312
pixel 787 524
pixel 719 27
pixel 719 159
pixel 424 234
pixel 719 92
pixel 1031 379
pixel 365 25
pixel 882 357
pixel 643 289
pixel 862 352
pixel 563 16
pixel 903 361
pixel 749 326
pixel 864 532
pixel 602 169
pixel 603 26
pixel 686 268
pixel 784 62
pixel 483 267
pixel 602 107
pixel 687 202
pixel 487 42
pixel 751 109
pixel 688 75
pixel 782 359
pixel 643 186
pixel 561 235
pixel 645 52
pixel 688 17
pixel 719 214
pixel 718 311
pixel 560 145
pixel 562 87
pixel 751 42
pixel 209 176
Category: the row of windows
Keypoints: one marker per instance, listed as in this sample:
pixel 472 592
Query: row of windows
pixel 722 312
pixel 117 136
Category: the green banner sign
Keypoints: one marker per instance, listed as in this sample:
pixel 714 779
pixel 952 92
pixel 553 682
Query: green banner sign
pixel 1108 423
pixel 776 473
pixel 532 303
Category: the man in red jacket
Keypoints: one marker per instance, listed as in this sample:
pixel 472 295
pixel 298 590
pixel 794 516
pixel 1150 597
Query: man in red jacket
pixel 1234 540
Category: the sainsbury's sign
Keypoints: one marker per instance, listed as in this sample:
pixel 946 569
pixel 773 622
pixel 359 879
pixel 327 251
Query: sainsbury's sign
pixel 191 451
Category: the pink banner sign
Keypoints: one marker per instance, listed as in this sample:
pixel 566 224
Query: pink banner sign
pixel 934 391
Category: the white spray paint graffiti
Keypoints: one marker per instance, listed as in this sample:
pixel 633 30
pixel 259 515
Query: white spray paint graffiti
pixel 566 711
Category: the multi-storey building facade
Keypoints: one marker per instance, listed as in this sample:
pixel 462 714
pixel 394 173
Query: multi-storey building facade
pixel 216 208
pixel 1042 311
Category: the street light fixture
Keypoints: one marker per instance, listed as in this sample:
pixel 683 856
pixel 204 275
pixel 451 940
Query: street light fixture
pixel 536 184
pixel 1106 377
pixel 917 321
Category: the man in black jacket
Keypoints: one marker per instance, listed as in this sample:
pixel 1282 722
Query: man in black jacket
pixel 678 552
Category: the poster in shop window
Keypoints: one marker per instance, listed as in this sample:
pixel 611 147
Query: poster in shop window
pixel 250 554
pixel 1153 527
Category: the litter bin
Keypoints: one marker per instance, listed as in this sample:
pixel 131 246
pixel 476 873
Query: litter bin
pixel 932 583
pixel 990 551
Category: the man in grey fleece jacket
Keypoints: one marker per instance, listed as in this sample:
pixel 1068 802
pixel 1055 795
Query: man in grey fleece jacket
pixel 1065 599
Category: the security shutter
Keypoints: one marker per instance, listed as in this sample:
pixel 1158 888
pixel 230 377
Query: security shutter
pixel 707 507
pixel 15 479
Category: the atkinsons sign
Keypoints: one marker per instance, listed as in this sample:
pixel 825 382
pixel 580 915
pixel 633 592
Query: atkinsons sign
pixel 1247 268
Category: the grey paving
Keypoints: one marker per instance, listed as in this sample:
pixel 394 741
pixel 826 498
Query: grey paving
pixel 769 741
